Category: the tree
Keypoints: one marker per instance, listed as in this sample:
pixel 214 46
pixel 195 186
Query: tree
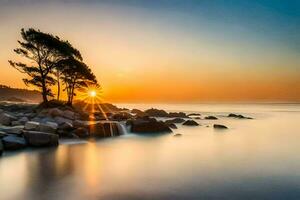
pixel 44 51
pixel 75 74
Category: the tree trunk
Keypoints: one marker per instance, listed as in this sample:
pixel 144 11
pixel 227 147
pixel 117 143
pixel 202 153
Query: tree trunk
pixel 44 92
pixel 58 85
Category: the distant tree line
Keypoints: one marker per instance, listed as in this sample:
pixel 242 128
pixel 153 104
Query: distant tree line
pixel 53 61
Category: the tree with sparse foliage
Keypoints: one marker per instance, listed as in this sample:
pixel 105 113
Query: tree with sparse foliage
pixel 75 75
pixel 44 52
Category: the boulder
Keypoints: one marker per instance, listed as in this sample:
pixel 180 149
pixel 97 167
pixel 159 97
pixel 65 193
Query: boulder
pixel 61 120
pixel 78 123
pixel 65 126
pixel 104 129
pixel 171 125
pixel 16 123
pixel 194 114
pixel 3 134
pixel 232 115
pixel 40 139
pixel 23 120
pixel 177 114
pixel 55 112
pixel 211 117
pixel 177 135
pixel 48 127
pixel 149 126
pixel 81 132
pixel 69 114
pixel 190 123
pixel 219 126
pixel 176 120
pixel 121 116
pixel 138 112
pixel 12 142
pixel 12 130
pixel 32 126
pixel 156 113
pixel 6 119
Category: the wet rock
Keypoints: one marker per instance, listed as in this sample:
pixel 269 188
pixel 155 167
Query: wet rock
pixel 176 120
pixel 12 142
pixel 177 114
pixel 78 123
pixel 219 126
pixel 61 120
pixel 171 125
pixel 232 115
pixel 23 120
pixel 211 118
pixel 48 127
pixel 65 126
pixel 121 116
pixel 104 129
pixel 149 126
pixel 40 139
pixel 3 134
pixel 177 135
pixel 81 132
pixel 6 119
pixel 138 113
pixel 17 130
pixel 194 114
pixel 156 113
pixel 32 126
pixel 55 112
pixel 190 123
pixel 69 114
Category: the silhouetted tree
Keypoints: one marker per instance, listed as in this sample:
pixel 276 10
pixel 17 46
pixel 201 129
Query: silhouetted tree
pixel 75 74
pixel 44 51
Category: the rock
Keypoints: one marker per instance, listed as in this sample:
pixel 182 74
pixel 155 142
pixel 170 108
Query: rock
pixel 12 130
pixel 177 135
pixel 177 114
pixel 66 126
pixel 15 123
pixel 190 123
pixel 176 120
pixel 81 132
pixel 23 120
pixel 194 114
pixel 3 134
pixel 6 119
pixel 1 147
pixel 121 116
pixel 197 118
pixel 156 113
pixel 149 126
pixel 219 126
pixel 55 112
pixel 104 129
pixel 61 120
pixel 12 142
pixel 40 139
pixel 48 127
pixel 138 112
pixel 238 116
pixel 69 114
pixel 78 123
pixel 211 118
pixel 171 125
pixel 32 126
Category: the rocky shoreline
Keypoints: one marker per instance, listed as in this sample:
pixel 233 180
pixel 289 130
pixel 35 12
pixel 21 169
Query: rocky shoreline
pixel 25 125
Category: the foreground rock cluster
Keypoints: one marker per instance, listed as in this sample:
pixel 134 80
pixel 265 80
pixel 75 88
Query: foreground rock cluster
pixel 24 126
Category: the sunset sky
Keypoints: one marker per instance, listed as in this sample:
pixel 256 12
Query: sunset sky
pixel 170 50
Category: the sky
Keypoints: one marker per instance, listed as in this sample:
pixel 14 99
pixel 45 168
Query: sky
pixel 181 51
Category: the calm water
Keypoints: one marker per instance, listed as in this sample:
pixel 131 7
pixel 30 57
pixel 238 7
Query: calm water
pixel 254 159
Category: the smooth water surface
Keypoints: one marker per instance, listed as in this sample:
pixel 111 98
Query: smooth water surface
pixel 254 159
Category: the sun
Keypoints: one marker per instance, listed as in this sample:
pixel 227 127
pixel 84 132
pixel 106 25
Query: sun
pixel 92 93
